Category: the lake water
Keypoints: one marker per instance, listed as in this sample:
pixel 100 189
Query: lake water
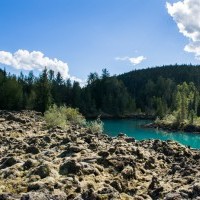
pixel 133 128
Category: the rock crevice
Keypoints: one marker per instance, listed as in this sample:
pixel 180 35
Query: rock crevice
pixel 40 163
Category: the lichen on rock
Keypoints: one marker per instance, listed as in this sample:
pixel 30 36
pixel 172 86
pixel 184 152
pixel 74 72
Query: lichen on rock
pixel 42 163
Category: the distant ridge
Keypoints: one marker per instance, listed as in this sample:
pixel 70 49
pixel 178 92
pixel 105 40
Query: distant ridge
pixel 177 73
pixel 145 85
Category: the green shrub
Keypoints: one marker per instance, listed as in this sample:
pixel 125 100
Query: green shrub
pixel 63 116
pixel 54 117
pixel 168 119
pixel 197 121
pixel 95 126
pixel 73 115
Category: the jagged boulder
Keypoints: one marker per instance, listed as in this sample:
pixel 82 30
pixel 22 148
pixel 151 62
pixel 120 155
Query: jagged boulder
pixel 117 185
pixel 32 150
pixel 103 154
pixel 8 162
pixel 128 172
pixel 196 190
pixel 69 167
pixel 154 189
pixel 28 164
pixel 43 171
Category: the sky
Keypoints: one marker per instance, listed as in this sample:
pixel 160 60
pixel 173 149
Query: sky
pixel 76 37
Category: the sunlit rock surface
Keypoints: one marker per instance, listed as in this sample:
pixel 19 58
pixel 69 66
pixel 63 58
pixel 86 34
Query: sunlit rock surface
pixel 37 163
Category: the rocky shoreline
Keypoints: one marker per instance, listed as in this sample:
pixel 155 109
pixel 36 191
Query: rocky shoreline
pixel 174 127
pixel 141 116
pixel 37 163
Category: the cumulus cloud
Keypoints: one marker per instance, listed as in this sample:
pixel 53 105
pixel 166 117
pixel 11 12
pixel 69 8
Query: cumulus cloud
pixel 35 60
pixel 132 60
pixel 186 14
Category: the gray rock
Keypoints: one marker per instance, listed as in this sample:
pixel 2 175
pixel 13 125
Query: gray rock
pixel 173 196
pixel 43 171
pixel 196 190
pixel 69 167
pixel 33 187
pixel 27 165
pixel 150 164
pixel 32 150
pixel 4 197
pixel 129 139
pixel 75 149
pixel 121 135
pixel 117 185
pixel 155 189
pixel 103 154
pixel 128 172
pixel 10 161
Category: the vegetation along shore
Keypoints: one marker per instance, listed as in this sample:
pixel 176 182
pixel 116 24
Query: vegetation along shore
pixel 168 93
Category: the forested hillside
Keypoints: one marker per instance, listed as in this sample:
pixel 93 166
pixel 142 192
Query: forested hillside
pixel 153 91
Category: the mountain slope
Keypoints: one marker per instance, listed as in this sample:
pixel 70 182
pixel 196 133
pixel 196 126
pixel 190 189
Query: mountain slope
pixel 153 86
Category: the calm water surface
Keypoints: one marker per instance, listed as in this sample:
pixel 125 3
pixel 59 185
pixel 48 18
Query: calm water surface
pixel 133 128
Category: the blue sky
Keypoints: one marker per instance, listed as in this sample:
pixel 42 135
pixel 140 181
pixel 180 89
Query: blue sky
pixel 89 35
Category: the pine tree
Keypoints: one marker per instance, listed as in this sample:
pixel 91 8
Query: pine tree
pixel 43 92
pixel 105 73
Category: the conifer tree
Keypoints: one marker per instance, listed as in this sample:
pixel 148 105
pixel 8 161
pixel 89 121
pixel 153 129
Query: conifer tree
pixel 43 92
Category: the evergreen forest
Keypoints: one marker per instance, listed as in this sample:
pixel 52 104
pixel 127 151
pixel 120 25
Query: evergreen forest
pixel 154 91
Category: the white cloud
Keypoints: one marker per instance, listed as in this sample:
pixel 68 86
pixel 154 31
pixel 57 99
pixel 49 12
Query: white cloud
pixel 186 14
pixel 132 60
pixel 137 60
pixel 35 60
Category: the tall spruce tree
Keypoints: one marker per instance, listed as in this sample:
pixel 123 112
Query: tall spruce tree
pixel 43 92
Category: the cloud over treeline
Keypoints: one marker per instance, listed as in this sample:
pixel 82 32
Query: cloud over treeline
pixel 35 60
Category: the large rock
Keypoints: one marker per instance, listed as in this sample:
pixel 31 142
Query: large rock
pixel 150 164
pixel 28 165
pixel 32 150
pixel 34 187
pixel 196 190
pixel 43 171
pixel 128 172
pixel 42 196
pixel 154 189
pixel 103 154
pixel 173 196
pixel 69 167
pixel 8 162
pixel 117 185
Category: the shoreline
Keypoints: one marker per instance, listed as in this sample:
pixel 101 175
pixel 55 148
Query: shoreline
pixel 128 116
pixel 174 127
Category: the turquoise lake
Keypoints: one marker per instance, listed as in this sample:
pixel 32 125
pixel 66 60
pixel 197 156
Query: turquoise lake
pixel 133 128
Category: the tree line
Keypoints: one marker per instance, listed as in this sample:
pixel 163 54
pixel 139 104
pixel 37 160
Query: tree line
pixel 102 94
pixel 155 91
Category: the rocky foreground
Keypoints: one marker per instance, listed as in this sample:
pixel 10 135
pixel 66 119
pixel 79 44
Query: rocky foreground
pixel 41 164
